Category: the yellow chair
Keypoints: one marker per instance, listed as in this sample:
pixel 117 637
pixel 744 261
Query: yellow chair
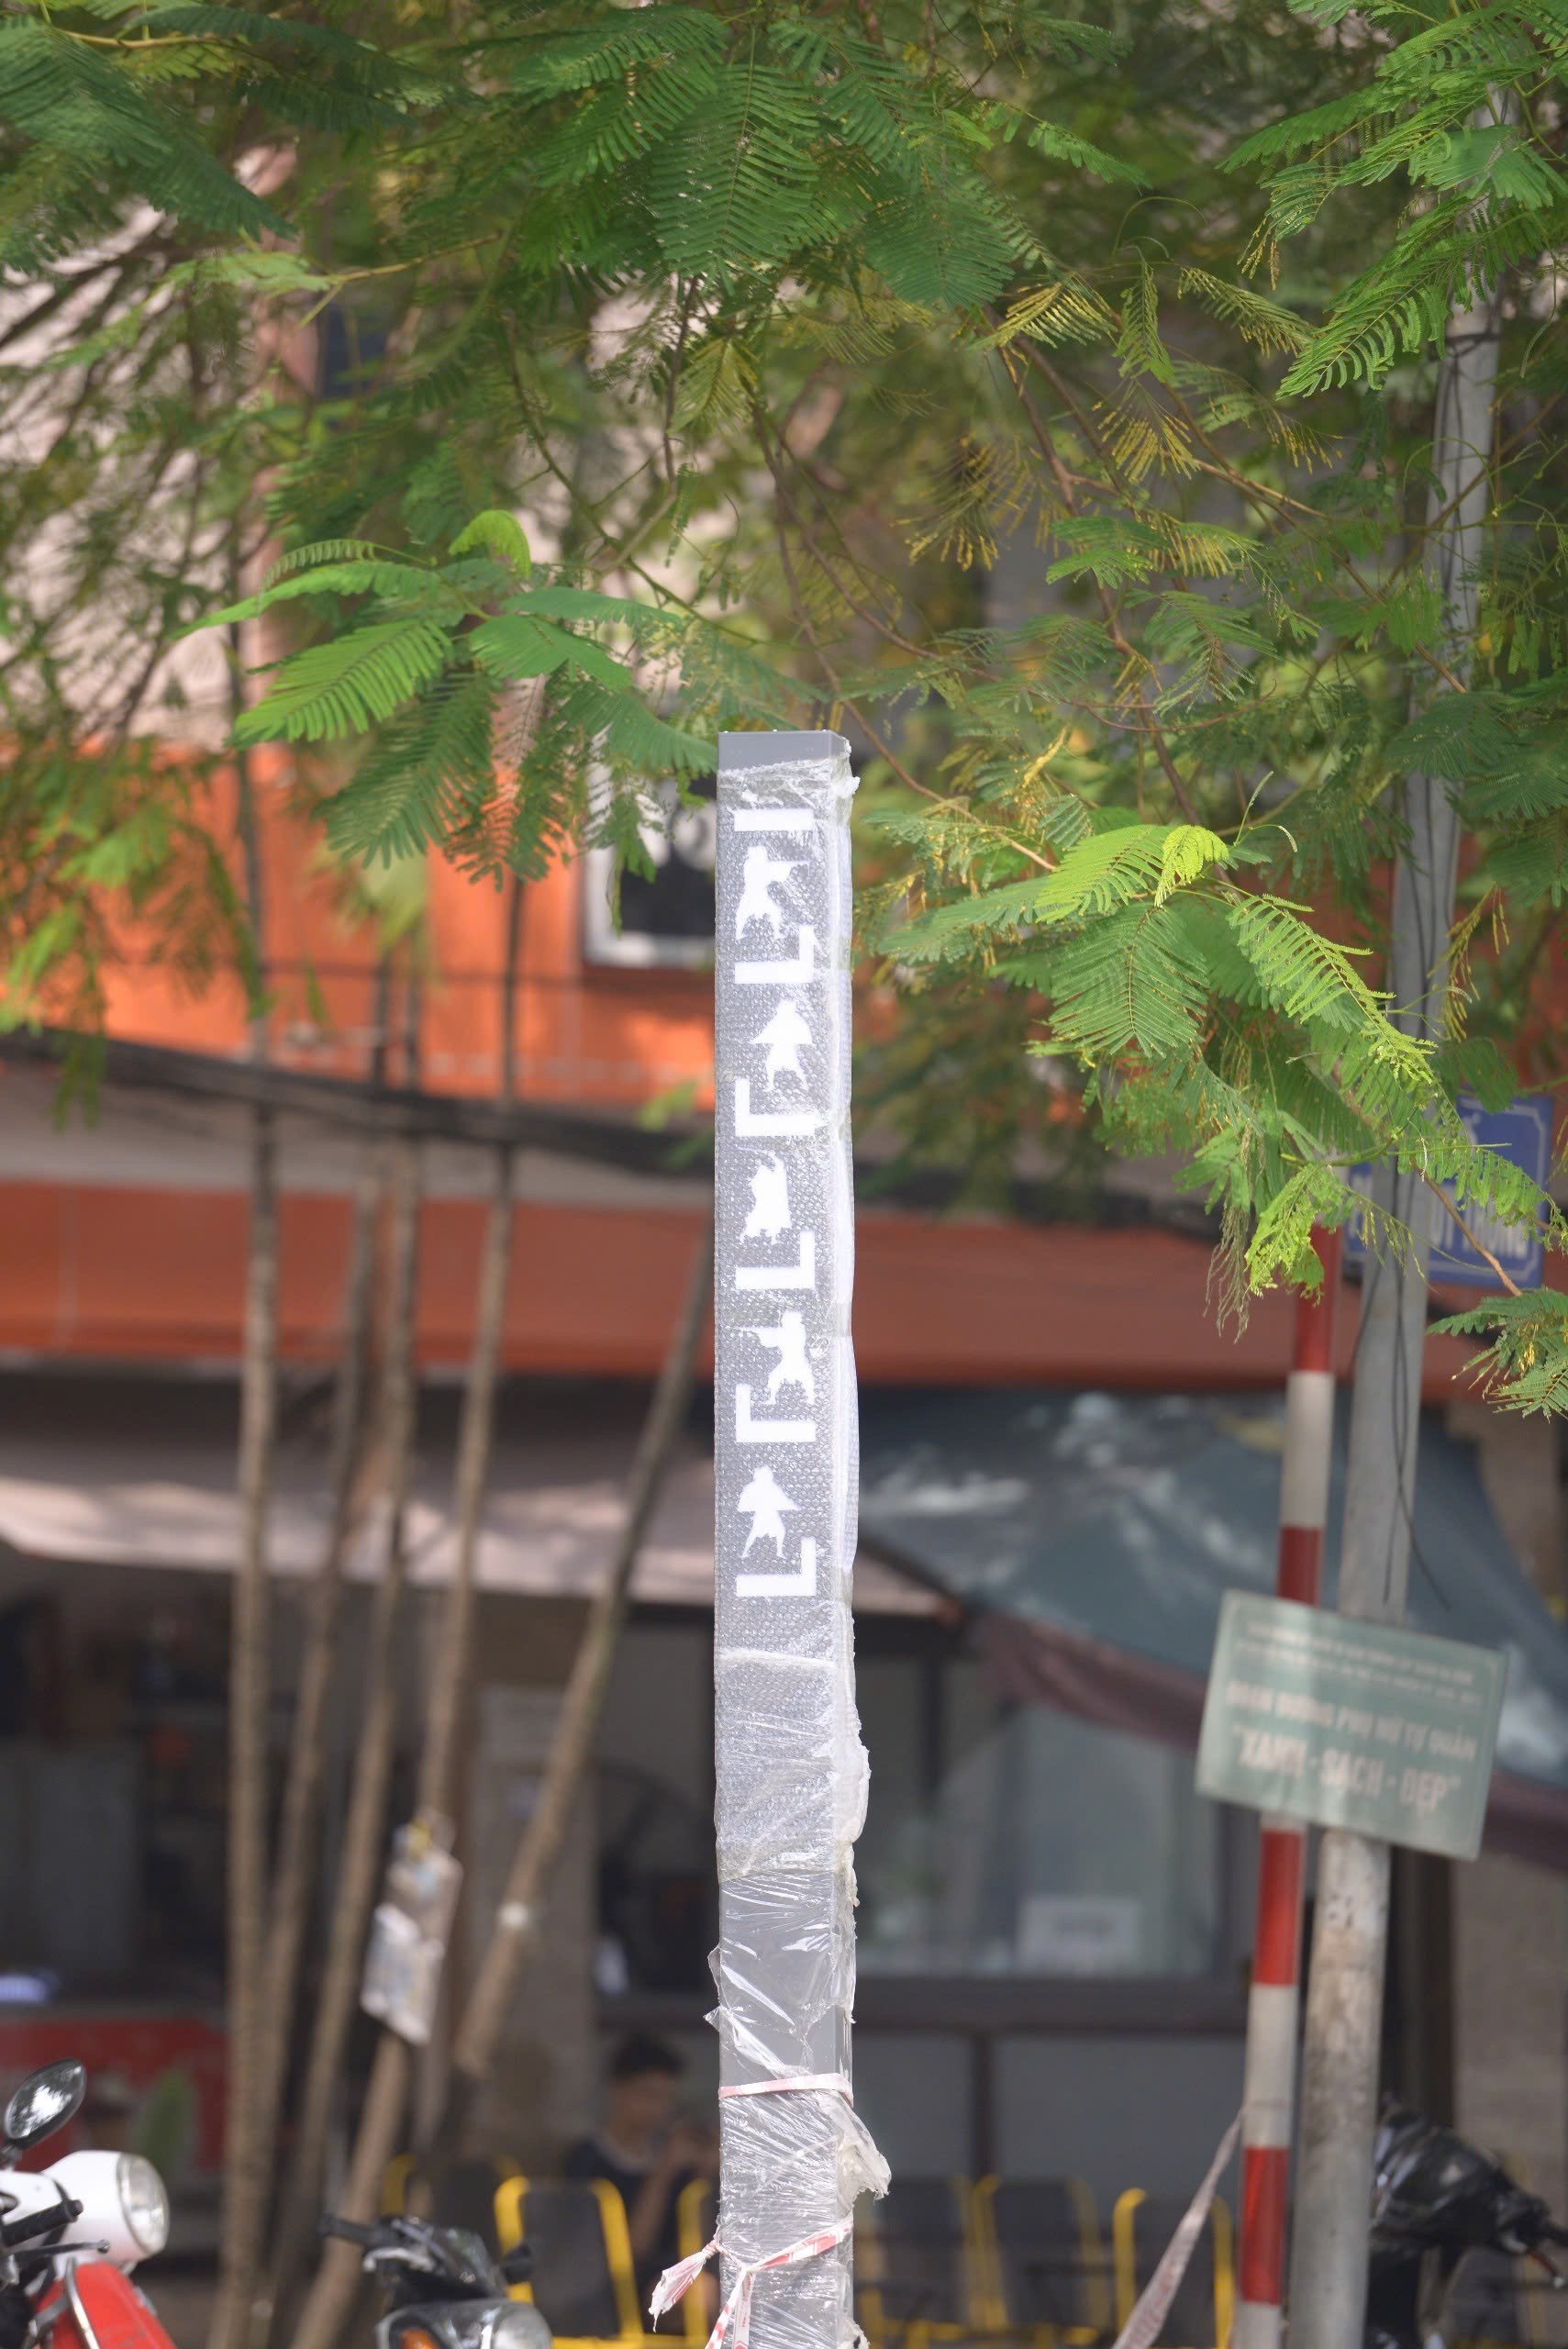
pixel 573 2223
pixel 870 2270
pixel 694 2216
pixel 1224 2233
pixel 1040 2239
pixel 394 2183
pixel 919 2269
pixel 510 2197
pixel 1128 2280
pixel 977 2274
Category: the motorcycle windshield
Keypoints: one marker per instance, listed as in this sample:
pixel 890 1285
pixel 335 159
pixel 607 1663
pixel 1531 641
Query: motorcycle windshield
pixel 461 2257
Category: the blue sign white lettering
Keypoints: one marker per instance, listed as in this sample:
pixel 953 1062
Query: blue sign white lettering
pixel 1522 1133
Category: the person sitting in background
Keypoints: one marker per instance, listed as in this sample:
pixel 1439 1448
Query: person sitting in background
pixel 647 2151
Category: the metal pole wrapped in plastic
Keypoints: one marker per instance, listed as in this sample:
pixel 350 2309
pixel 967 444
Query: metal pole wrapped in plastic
pixel 790 1768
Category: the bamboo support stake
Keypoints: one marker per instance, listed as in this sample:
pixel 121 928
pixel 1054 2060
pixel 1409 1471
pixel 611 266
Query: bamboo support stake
pixel 516 1921
pixel 364 1829
pixel 437 1768
pixel 307 1750
pixel 250 1673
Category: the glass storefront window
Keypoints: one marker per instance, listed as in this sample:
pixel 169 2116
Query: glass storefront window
pixel 1017 1841
pixel 1000 1840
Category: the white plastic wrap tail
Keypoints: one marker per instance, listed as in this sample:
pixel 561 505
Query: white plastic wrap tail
pixel 790 1768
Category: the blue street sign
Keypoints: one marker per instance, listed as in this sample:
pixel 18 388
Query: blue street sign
pixel 1522 1132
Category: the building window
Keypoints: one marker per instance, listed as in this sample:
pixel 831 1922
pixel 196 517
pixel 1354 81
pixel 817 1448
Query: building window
pixel 1001 1841
pixel 666 918
pixel 1006 1840
pixel 658 1889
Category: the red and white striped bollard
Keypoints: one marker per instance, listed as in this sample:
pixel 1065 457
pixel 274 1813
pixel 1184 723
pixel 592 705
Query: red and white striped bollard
pixel 1274 2002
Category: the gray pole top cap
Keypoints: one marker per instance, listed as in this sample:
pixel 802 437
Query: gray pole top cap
pixel 740 751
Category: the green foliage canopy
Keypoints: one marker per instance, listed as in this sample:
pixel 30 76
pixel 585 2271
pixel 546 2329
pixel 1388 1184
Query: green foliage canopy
pixel 1046 399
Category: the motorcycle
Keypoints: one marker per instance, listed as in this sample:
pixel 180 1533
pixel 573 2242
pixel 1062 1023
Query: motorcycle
pixel 1436 2199
pixel 443 2290
pixel 65 2289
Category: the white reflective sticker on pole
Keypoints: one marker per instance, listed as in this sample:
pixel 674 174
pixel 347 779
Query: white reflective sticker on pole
pixel 1309 1448
pixel 790 1770
pixel 1257 2325
pixel 1267 2095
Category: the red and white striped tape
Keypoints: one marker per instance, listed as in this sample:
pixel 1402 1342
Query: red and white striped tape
pixel 1267 2110
pixel 735 2316
pixel 736 2313
pixel 1153 2304
pixel 794 2083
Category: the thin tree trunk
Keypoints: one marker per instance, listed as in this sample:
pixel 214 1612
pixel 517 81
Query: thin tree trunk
pixel 249 1679
pixel 539 1847
pixel 308 1744
pixel 387 2095
pixel 449 1685
pixel 254 2152
pixel 332 2295
pixel 437 1796
pixel 250 1672
pixel 364 1829
pixel 307 1753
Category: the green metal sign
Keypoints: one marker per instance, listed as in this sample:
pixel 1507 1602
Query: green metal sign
pixel 1363 1725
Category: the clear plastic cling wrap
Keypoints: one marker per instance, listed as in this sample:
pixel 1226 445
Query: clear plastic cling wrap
pixel 790 1768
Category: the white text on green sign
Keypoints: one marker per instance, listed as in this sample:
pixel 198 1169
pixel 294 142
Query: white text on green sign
pixel 1364 1725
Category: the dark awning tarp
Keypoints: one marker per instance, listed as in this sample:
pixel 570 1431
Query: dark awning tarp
pixel 1097 1535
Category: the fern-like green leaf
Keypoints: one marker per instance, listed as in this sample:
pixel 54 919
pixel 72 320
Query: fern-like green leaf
pixel 1524 1363
pixel 500 534
pixel 427 774
pixel 74 100
pixel 331 690
pixel 517 645
pixel 1189 851
pixel 1140 347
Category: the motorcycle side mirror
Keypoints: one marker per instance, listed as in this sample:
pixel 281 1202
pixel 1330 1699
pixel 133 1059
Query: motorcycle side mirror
pixel 44 2102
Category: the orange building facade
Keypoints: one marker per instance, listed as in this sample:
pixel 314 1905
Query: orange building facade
pixel 1052 1923
pixel 101 1264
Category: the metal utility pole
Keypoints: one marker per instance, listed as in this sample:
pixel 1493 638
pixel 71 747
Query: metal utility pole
pixel 1344 2005
pixel 1274 2000
pixel 789 1767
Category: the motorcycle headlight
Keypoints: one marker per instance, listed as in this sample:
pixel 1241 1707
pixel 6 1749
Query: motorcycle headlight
pixel 519 2326
pixel 490 2324
pixel 144 2203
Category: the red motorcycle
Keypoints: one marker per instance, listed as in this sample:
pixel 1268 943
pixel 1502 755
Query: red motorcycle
pixel 70 2235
